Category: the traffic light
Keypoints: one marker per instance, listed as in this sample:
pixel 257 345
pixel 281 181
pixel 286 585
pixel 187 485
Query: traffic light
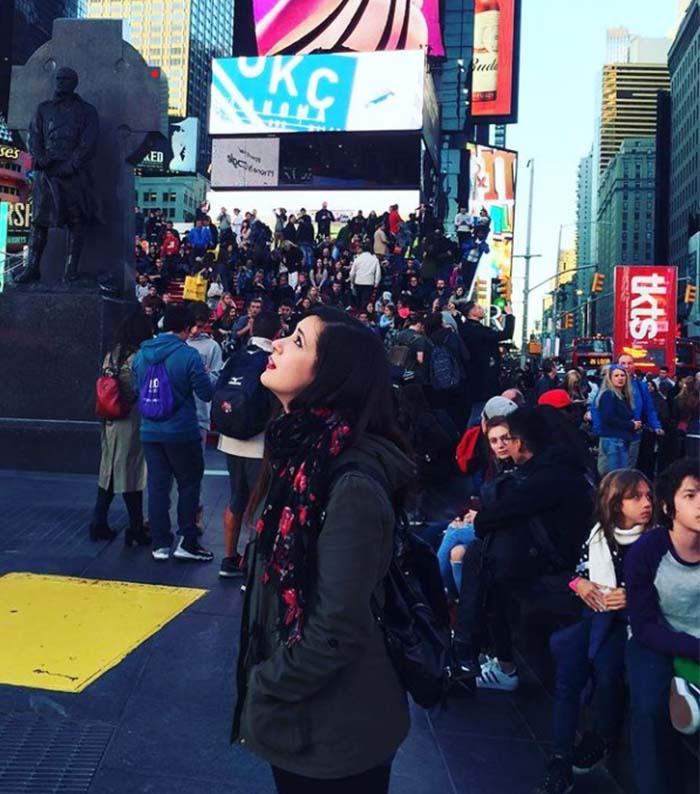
pixel 569 321
pixel 481 290
pixel 504 288
pixel 598 282
pixel 691 292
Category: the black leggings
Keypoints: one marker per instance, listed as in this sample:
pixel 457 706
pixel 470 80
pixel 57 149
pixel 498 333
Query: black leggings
pixel 373 781
pixel 132 499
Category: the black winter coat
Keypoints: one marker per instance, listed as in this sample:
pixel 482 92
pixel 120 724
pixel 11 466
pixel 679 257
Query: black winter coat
pixel 482 343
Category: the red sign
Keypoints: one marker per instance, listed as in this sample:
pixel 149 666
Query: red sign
pixel 645 316
pixel 495 60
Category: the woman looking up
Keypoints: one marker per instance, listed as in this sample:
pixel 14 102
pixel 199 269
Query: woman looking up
pixel 318 696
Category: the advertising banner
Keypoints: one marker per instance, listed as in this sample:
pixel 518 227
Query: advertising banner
pixel 645 315
pixel 304 26
pixel 317 93
pixel 245 162
pixel 492 178
pixel 495 62
pixel 184 136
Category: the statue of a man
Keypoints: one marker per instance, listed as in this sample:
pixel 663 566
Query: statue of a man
pixel 62 142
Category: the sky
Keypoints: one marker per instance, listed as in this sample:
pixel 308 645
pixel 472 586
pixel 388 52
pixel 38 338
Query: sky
pixel 561 57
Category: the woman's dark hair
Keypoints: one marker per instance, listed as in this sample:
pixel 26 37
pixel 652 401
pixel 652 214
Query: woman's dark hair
pixel 352 376
pixel 564 433
pixel 529 425
pixel 433 323
pixel 177 318
pixel 134 329
pixel 668 485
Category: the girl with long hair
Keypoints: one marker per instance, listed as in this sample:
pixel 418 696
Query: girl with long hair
pixel 122 464
pixel 595 646
pixel 618 427
pixel 318 696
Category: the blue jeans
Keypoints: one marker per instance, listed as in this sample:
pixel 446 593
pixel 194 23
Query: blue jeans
pixel 571 650
pixel 475 413
pixel 452 571
pixel 613 453
pixel 308 250
pixel 654 742
pixel 183 461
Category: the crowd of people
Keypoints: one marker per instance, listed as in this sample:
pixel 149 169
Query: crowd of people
pixel 316 349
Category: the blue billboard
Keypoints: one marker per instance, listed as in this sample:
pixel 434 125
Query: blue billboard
pixel 317 93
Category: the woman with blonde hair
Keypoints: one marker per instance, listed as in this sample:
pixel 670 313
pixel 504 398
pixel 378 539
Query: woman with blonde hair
pixel 618 427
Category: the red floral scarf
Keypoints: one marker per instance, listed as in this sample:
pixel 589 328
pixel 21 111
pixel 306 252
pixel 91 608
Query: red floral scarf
pixel 301 445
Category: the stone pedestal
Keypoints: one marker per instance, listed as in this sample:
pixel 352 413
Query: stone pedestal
pixel 51 346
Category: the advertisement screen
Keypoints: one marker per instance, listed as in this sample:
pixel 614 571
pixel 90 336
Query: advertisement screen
pixel 304 26
pixel 245 162
pixel 4 214
pixel 491 205
pixel 344 204
pixel 317 93
pixel 183 140
pixel 645 315
pixel 495 60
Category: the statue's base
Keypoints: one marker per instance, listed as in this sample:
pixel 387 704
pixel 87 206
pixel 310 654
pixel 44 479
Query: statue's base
pixel 52 343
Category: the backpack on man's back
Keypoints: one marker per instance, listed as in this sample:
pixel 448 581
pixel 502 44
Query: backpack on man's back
pixel 240 407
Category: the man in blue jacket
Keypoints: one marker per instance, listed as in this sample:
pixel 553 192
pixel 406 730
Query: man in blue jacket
pixel 643 408
pixel 172 445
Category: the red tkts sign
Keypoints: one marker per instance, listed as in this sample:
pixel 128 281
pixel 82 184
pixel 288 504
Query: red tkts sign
pixel 645 315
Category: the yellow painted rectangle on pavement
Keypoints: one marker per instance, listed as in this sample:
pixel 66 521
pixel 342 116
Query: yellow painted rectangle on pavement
pixel 62 633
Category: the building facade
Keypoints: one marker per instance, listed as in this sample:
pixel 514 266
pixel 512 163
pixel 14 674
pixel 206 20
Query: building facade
pixel 181 37
pixel 628 108
pixel 585 228
pixel 684 206
pixel 625 219
pixel 24 26
pixel 177 196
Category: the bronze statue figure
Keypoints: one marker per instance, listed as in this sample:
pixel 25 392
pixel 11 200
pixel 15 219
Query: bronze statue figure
pixel 62 142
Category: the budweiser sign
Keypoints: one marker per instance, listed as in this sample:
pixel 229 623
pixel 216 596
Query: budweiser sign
pixel 645 315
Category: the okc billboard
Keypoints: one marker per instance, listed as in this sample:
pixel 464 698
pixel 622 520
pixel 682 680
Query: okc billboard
pixel 272 27
pixel 317 93
pixel 645 315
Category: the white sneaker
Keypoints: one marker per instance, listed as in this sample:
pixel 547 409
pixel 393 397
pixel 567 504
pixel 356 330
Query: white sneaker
pixel 493 677
pixel 161 554
pixel 684 706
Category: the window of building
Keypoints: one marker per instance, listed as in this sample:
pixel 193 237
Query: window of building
pixel 171 212
pixel 165 197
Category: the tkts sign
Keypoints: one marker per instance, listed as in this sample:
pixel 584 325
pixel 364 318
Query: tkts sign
pixel 645 315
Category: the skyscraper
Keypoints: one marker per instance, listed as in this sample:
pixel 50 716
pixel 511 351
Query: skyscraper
pixel 628 107
pixel 617 42
pixel 24 26
pixel 584 232
pixel 625 217
pixel 182 37
pixel 684 212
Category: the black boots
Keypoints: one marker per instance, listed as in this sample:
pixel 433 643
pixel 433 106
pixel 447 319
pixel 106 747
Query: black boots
pixel 138 537
pixel 37 243
pixel 101 532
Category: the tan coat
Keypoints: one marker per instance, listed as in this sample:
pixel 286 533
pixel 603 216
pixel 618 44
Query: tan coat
pixel 381 243
pixel 122 458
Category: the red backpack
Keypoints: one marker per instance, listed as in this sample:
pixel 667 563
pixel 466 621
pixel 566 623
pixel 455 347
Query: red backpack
pixel 109 403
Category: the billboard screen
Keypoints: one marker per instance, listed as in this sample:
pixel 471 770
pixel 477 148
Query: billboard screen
pixel 492 179
pixel 176 154
pixel 495 60
pixel 317 93
pixel 245 162
pixel 281 27
pixel 645 315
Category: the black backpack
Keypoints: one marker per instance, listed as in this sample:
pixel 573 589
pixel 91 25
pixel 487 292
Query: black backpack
pixel 240 407
pixel 444 368
pixel 414 618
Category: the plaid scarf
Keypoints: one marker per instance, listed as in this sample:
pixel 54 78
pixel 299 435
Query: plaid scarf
pixel 301 445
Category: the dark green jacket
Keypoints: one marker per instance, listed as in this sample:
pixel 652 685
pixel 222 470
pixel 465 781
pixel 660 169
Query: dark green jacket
pixel 332 705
